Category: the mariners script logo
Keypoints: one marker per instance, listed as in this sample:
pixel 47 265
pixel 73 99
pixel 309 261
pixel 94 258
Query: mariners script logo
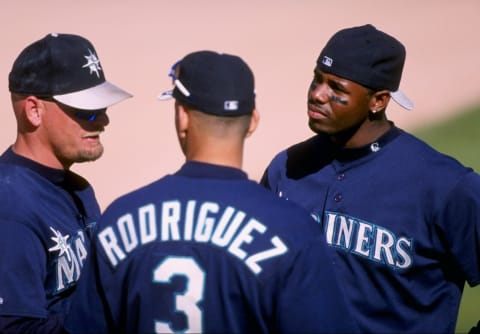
pixel 70 258
pixel 367 240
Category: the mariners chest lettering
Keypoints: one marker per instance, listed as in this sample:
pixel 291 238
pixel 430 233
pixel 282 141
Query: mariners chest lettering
pixel 367 240
pixel 70 254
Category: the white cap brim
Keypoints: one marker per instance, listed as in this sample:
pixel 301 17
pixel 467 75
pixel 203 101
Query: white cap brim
pixel 166 95
pixel 402 99
pixel 98 97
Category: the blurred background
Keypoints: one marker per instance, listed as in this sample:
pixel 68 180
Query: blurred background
pixel 138 41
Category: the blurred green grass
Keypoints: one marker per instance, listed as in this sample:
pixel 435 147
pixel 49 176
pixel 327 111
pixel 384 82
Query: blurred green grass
pixel 459 137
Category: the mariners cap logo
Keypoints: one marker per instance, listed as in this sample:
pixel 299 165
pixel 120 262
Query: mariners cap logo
pixel 93 63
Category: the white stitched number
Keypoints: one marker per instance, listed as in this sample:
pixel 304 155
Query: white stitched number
pixel 187 301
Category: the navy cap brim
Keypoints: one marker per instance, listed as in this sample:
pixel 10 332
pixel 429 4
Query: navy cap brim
pixel 167 95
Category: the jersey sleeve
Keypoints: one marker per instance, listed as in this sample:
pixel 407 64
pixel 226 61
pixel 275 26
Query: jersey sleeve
pixel 460 220
pixel 23 270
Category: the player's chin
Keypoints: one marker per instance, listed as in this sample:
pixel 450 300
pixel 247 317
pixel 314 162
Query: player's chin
pixel 90 154
pixel 319 126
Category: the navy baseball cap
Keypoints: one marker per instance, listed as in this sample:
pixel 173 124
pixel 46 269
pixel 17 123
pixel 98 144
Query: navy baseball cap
pixel 66 68
pixel 214 83
pixel 366 56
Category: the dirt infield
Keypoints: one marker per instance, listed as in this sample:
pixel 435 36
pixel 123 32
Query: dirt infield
pixel 138 41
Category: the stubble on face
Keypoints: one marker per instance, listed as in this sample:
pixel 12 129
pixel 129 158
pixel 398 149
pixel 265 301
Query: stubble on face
pixel 78 151
pixel 91 154
pixel 77 141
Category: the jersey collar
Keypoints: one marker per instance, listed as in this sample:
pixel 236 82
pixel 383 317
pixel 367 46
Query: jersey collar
pixel 204 170
pixel 54 175
pixel 349 154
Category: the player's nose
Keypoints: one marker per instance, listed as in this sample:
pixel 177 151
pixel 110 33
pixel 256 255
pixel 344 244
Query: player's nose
pixel 320 92
pixel 102 118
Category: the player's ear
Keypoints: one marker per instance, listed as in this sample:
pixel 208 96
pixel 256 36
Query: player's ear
pixel 379 100
pixel 253 122
pixel 34 109
pixel 182 120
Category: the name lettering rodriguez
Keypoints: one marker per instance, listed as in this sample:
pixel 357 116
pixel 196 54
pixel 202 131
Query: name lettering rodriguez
pixel 205 222
pixel 367 240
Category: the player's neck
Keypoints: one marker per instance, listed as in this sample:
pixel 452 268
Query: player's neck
pixel 221 161
pixel 34 150
pixel 363 134
pixel 224 155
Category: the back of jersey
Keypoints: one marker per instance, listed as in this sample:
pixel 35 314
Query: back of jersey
pixel 189 254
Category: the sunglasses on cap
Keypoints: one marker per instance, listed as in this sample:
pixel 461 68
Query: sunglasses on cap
pixel 85 115
pixel 176 81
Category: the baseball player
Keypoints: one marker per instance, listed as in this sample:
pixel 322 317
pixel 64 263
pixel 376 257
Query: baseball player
pixel 206 249
pixel 402 220
pixel 59 97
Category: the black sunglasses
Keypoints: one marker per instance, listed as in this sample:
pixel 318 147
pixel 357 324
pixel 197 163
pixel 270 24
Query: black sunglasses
pixel 85 115
pixel 90 116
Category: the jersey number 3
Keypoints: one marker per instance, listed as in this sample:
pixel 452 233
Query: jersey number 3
pixel 186 302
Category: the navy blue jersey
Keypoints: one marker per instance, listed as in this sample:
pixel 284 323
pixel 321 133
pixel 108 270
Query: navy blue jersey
pixel 207 250
pixel 45 215
pixel 402 220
